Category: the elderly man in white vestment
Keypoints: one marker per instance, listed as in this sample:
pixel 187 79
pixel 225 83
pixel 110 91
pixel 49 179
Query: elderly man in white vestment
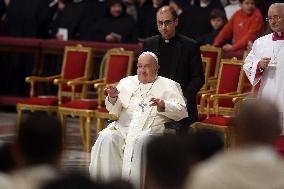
pixel 265 62
pixel 143 103
pixel 254 162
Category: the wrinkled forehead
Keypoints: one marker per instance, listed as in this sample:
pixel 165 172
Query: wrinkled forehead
pixel 275 11
pixel 164 15
pixel 146 59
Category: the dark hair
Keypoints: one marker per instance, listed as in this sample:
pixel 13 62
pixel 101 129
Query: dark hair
pixel 204 143
pixel 170 158
pixel 218 13
pixel 40 138
pixel 257 121
pixel 7 162
pixel 110 3
pixel 73 181
pixel 167 161
pixel 170 9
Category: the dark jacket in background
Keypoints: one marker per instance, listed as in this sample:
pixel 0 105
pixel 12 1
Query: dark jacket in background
pixel 70 18
pixel 23 18
pixel 185 68
pixel 146 20
pixel 94 11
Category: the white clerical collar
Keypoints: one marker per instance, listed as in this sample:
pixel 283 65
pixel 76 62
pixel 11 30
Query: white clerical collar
pixel 179 11
pixel 166 40
pixel 203 4
pixel 150 83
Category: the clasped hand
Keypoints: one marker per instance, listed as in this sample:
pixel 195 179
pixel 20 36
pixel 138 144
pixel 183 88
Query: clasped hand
pixel 263 63
pixel 113 92
pixel 158 102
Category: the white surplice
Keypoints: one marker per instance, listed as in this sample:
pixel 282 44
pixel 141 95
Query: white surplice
pixel 119 150
pixel 271 86
pixel 251 167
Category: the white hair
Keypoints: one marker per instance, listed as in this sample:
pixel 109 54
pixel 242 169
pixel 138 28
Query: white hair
pixel 278 5
pixel 151 54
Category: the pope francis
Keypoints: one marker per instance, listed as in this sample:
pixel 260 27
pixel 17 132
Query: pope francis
pixel 142 103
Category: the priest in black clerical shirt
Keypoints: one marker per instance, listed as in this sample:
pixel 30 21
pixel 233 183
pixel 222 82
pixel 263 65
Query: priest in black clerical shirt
pixel 179 59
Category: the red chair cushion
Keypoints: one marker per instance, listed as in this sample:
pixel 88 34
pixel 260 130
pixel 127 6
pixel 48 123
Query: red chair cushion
pixel 117 68
pixel 219 120
pixel 229 82
pixel 74 67
pixel 213 58
pixel 44 100
pixel 88 104
pixel 229 78
pixel 103 110
pixel 201 117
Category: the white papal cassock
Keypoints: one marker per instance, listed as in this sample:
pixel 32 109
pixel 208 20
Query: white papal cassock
pixel 118 151
pixel 271 86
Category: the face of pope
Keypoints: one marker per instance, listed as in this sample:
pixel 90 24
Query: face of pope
pixel 276 19
pixel 147 68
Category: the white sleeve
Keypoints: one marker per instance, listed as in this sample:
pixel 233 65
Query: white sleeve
pixel 115 108
pixel 174 110
pixel 175 106
pixel 250 65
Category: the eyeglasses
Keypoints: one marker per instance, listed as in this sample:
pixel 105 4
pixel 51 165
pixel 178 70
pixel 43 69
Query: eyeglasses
pixel 166 23
pixel 273 18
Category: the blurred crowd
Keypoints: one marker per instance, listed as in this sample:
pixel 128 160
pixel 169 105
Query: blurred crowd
pixel 193 161
pixel 131 21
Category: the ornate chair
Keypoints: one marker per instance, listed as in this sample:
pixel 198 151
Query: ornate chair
pixel 116 64
pixel 102 114
pixel 214 53
pixel 206 64
pixel 218 102
pixel 76 63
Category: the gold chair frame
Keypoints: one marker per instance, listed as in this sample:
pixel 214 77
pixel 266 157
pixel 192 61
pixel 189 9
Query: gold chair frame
pixel 87 115
pixel 213 95
pixel 209 48
pixel 102 116
pixel 57 80
pixel 208 98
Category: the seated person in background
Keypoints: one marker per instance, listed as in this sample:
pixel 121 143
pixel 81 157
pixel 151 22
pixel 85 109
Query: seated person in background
pixel 244 26
pixel 231 8
pixel 143 104
pixel 73 181
pixel 146 18
pixel 179 6
pixel 6 158
pixel 217 21
pixel 116 27
pixel 170 158
pixel 253 163
pixel 63 19
pixel 37 152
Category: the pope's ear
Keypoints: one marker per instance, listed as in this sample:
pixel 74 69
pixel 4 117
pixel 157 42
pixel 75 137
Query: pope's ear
pixel 158 66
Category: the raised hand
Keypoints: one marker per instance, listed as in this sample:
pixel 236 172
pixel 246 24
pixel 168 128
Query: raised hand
pixel 112 91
